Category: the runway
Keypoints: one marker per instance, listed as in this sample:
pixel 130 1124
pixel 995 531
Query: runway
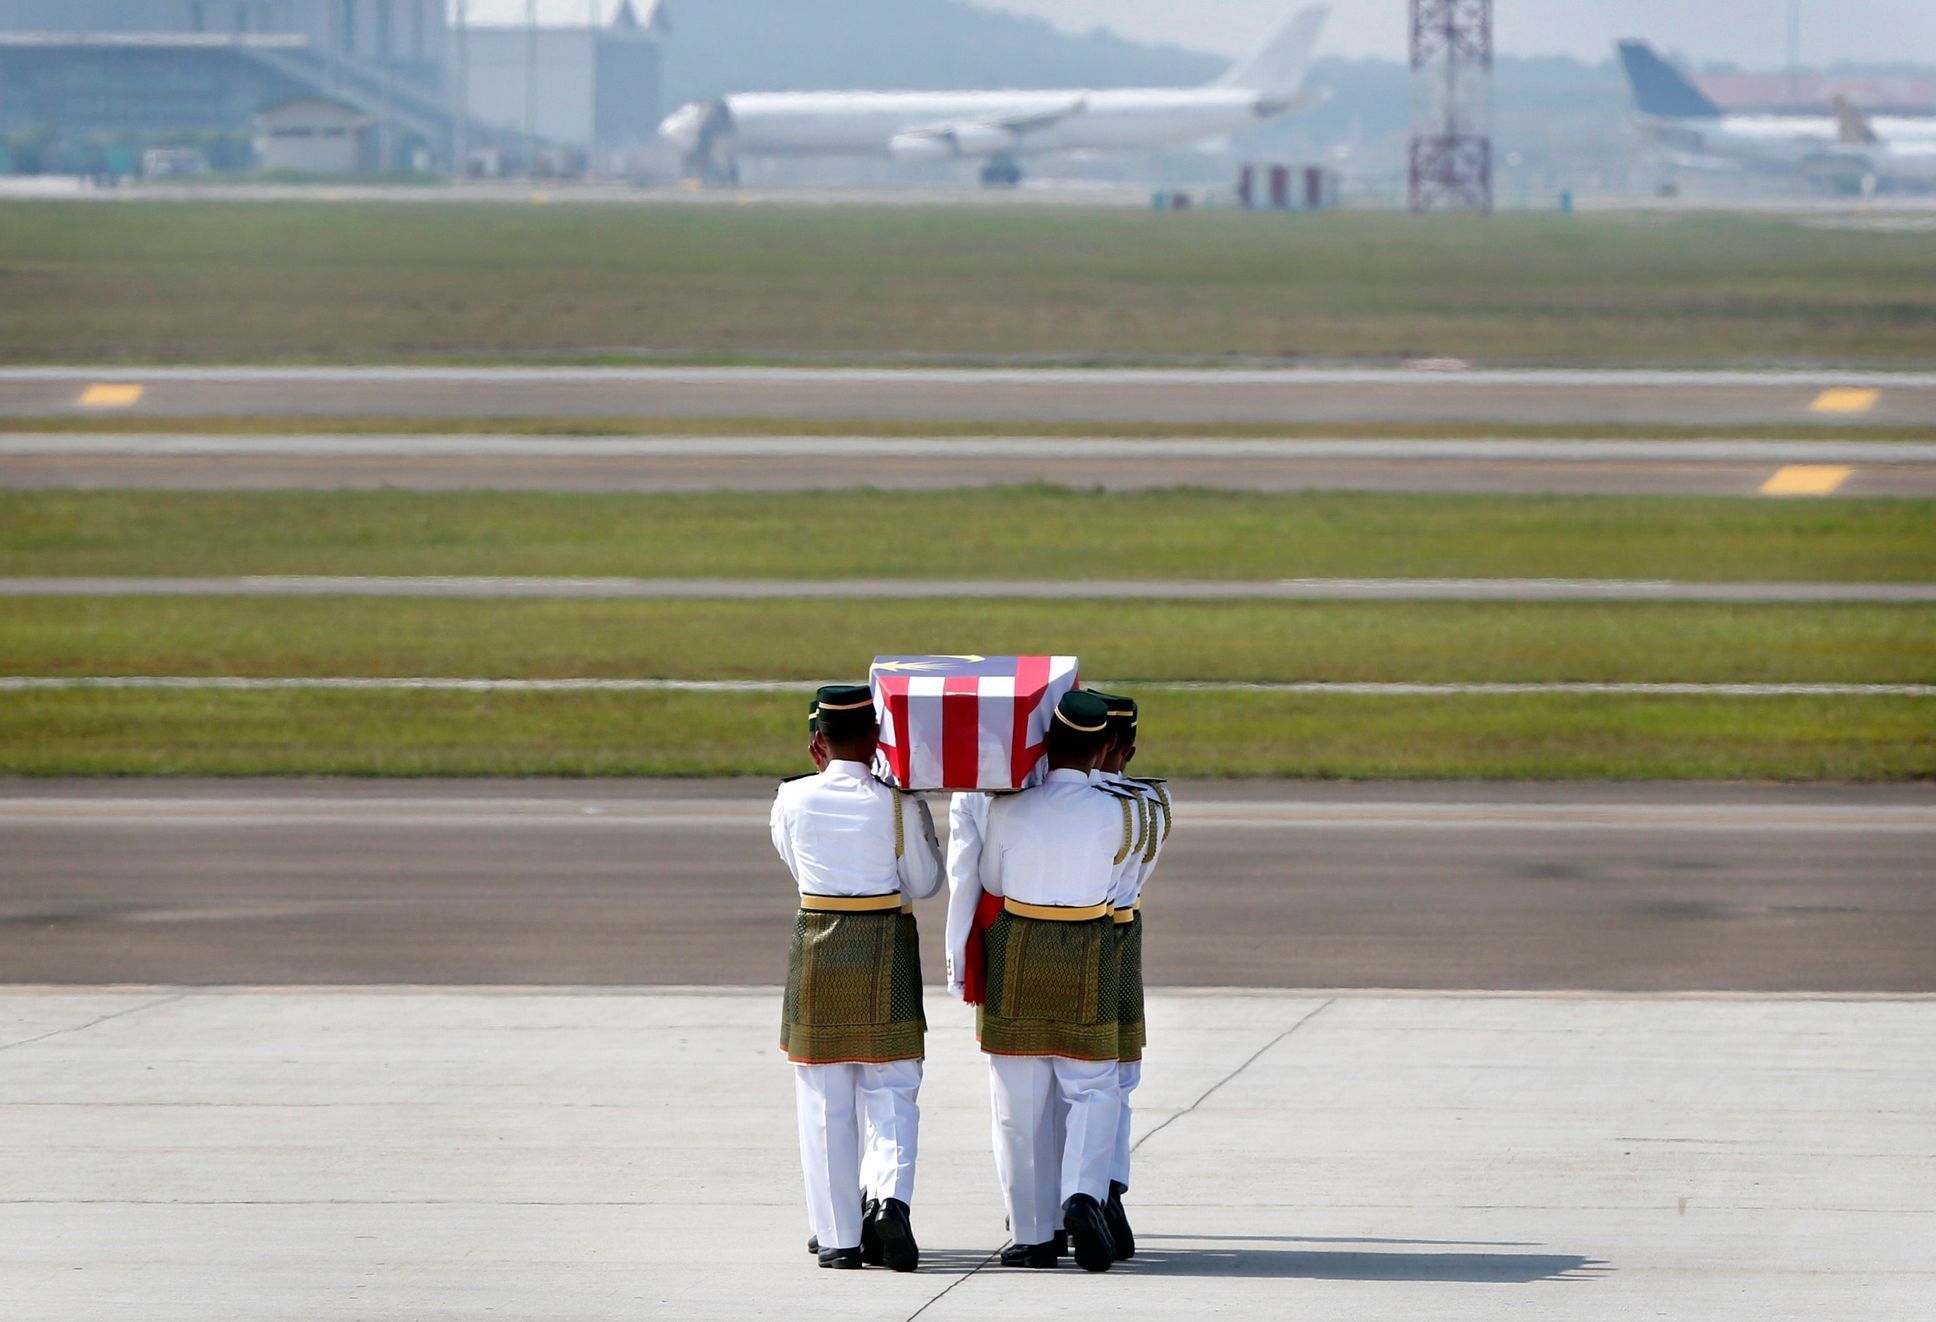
pixel 683 463
pixel 1551 397
pixel 1620 888
pixel 886 589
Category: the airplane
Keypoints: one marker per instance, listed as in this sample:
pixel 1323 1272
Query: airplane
pixel 1694 133
pixel 997 129
pixel 1871 159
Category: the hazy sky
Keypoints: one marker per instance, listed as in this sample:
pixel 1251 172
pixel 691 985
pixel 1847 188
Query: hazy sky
pixel 1750 32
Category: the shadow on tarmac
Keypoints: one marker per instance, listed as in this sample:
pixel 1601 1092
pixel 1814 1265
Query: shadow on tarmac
pixel 1478 1268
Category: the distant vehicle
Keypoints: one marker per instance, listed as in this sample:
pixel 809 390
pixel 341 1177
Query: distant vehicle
pixel 1691 132
pixel 996 128
pixel 173 163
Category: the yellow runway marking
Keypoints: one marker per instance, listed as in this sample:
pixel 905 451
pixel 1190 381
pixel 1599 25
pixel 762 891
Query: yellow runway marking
pixel 111 396
pixel 1844 400
pixel 1805 480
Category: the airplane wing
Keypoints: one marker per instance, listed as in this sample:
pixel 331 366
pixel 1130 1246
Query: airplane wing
pixel 980 137
pixel 1015 125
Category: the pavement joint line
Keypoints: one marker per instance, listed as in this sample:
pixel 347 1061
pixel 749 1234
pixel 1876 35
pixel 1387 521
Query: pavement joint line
pixel 504 587
pixel 1169 1120
pixel 92 1023
pixel 1254 1057
pixel 1353 688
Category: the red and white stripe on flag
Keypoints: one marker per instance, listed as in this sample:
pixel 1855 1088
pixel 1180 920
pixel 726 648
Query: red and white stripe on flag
pixel 966 722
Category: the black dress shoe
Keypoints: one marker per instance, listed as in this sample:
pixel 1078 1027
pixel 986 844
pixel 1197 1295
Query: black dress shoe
pixel 1029 1255
pixel 894 1232
pixel 1118 1221
pixel 843 1260
pixel 813 1243
pixel 1061 1243
pixel 1088 1233
pixel 870 1235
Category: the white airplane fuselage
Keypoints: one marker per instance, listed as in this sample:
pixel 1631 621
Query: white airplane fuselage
pixel 1774 139
pixel 995 128
pixel 873 123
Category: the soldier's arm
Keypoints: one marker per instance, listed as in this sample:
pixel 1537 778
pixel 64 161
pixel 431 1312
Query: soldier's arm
pixel 920 864
pixel 964 881
pixel 776 822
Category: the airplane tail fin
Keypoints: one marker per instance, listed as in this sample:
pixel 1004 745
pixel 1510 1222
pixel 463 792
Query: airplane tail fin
pixel 1852 127
pixel 1661 89
pixel 1279 66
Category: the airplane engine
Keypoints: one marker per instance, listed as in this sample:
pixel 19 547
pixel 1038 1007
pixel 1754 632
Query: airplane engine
pixel 920 148
pixel 953 143
pixel 982 140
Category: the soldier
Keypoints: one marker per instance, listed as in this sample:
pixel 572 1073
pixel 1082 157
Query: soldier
pixel 1154 800
pixel 860 852
pixel 1049 1019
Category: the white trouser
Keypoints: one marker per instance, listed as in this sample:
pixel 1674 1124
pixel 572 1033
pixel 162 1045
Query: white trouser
pixel 843 1111
pixel 1129 1073
pixel 1036 1176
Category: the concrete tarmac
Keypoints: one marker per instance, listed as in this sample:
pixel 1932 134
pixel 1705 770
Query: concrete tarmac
pixel 281 1155
pixel 1630 888
pixel 448 463
pixel 1540 397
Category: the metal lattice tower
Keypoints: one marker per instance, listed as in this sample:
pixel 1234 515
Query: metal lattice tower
pixel 1451 161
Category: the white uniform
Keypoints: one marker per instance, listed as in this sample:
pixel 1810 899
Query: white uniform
pixel 967 819
pixel 836 832
pixel 1130 880
pixel 1055 844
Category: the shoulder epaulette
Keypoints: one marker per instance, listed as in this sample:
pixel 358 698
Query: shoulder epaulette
pixel 1162 796
pixel 1126 800
pixel 788 780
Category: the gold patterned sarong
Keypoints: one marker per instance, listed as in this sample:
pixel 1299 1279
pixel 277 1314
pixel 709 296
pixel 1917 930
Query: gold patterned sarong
pixel 1132 1034
pixel 1051 989
pixel 853 991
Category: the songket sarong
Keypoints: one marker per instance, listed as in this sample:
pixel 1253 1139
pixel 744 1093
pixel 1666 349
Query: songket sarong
pixel 1132 1036
pixel 853 991
pixel 1051 988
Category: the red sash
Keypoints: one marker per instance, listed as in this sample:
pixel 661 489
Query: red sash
pixel 974 978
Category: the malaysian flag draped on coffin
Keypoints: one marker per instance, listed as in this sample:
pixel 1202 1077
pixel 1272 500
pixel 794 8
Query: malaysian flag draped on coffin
pixel 966 722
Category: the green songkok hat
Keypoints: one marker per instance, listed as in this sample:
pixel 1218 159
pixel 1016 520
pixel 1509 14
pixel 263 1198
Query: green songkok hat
pixel 844 710
pixel 1122 714
pixel 1083 711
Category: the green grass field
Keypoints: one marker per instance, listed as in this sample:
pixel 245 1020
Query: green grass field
pixel 1186 733
pixel 329 281
pixel 1020 532
pixel 816 641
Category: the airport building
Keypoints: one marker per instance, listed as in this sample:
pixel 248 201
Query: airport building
pixel 592 90
pixel 86 86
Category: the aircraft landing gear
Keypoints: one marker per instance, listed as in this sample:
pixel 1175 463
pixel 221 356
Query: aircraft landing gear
pixel 1001 172
pixel 712 172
